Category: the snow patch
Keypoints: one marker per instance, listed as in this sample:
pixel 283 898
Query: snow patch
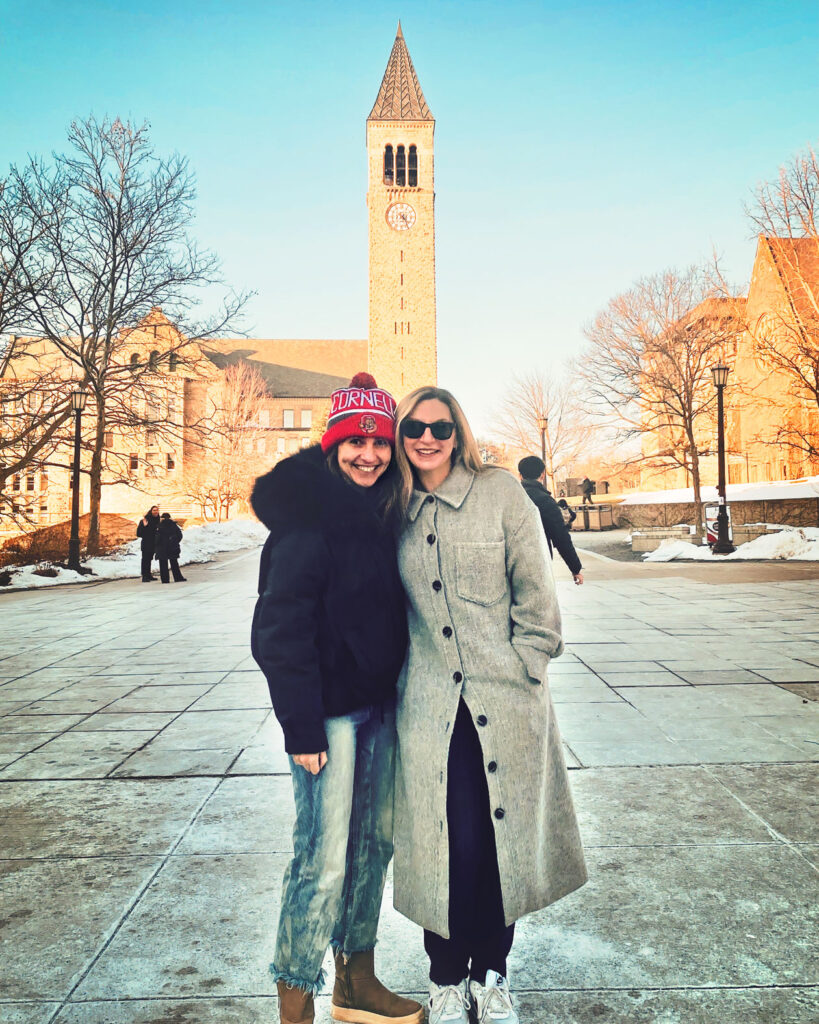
pixel 789 542
pixel 805 487
pixel 199 544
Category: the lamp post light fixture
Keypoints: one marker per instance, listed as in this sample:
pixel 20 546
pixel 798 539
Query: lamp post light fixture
pixel 723 545
pixel 78 400
pixel 543 425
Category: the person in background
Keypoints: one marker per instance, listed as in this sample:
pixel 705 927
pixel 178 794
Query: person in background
pixel 146 530
pixel 531 470
pixel 330 634
pixel 568 513
pixel 485 830
pixel 168 548
pixel 588 490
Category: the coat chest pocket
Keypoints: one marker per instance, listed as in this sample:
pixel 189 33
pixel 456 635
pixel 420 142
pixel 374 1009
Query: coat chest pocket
pixel 480 572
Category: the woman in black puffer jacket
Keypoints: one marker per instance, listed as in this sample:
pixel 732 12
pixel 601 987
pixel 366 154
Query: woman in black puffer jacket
pixel 329 632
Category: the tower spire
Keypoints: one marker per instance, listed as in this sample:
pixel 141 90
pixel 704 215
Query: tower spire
pixel 400 97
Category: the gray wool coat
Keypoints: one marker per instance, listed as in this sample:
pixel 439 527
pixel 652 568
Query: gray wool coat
pixel 484 623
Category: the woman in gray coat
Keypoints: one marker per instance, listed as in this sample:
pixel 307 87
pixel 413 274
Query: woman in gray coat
pixel 485 827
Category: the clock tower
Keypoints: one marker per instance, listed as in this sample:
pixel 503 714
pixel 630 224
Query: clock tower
pixel 401 206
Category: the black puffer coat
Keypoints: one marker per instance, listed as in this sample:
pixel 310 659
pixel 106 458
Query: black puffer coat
pixel 329 630
pixel 147 532
pixel 168 539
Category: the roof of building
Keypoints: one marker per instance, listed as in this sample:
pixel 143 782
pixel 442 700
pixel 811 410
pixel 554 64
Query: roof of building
pixel 324 356
pixel 400 97
pixel 797 263
pixel 282 381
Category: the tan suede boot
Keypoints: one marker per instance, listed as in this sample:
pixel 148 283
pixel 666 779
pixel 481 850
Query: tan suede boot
pixel 360 998
pixel 295 1005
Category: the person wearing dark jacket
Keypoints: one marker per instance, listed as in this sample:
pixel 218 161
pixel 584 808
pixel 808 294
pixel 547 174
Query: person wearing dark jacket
pixel 146 530
pixel 329 632
pixel 168 548
pixel 531 470
pixel 588 490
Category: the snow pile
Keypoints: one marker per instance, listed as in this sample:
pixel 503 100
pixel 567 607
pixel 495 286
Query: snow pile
pixel 199 544
pixel 805 487
pixel 790 542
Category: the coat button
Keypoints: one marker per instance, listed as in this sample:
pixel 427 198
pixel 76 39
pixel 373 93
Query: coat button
pixel 457 677
pixel 430 538
pixel 492 767
pixel 436 585
pixel 499 813
pixel 430 500
pixel 447 631
pixel 481 719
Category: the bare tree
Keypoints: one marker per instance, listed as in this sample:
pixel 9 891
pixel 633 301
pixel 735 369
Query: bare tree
pixel 786 338
pixel 648 364
pixel 227 461
pixel 533 398
pixel 104 241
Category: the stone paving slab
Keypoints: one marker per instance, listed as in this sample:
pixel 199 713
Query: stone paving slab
pixel 48 942
pixel 27 1013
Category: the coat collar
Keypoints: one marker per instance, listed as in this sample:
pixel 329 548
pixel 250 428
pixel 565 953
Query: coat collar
pixel 453 491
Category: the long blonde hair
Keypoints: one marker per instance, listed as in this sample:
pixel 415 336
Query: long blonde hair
pixel 465 452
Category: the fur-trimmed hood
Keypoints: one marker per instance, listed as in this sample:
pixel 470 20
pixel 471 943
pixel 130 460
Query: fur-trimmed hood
pixel 302 492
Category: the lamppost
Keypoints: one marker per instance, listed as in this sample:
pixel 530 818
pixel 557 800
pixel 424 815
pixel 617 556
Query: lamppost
pixel 543 423
pixel 723 545
pixel 78 400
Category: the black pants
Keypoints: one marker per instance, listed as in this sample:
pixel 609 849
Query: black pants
pixel 480 941
pixel 587 498
pixel 163 569
pixel 147 558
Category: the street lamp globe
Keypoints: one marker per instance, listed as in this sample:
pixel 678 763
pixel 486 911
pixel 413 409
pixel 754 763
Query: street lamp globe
pixel 78 400
pixel 720 375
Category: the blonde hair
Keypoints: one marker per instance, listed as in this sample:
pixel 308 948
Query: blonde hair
pixel 465 452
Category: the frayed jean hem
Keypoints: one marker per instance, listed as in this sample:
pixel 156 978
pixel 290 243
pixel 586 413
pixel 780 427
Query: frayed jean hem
pixel 313 988
pixel 337 948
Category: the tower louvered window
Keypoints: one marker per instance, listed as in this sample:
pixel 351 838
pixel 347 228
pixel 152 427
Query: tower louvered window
pixel 412 169
pixel 400 167
pixel 389 170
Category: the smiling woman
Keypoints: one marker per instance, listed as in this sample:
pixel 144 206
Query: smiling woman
pixel 329 632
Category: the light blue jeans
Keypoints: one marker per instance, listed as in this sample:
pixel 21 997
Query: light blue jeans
pixel 342 845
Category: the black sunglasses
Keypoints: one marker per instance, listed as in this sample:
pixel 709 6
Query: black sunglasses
pixel 441 429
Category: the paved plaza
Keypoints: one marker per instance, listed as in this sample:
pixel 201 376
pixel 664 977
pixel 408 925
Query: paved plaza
pixel 145 805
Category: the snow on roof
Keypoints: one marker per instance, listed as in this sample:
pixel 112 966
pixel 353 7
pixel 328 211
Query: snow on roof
pixel 804 487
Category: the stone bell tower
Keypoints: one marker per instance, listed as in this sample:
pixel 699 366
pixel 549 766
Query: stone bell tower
pixel 401 207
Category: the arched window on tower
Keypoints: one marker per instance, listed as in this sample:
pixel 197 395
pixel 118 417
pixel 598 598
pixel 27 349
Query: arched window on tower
pixel 400 167
pixel 153 361
pixel 389 171
pixel 412 169
pixel 134 362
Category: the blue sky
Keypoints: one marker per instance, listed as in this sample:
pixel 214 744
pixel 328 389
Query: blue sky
pixel 578 145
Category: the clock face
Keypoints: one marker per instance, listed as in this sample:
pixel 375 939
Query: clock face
pixel 400 216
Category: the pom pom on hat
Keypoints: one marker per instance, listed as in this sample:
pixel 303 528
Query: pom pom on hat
pixel 360 410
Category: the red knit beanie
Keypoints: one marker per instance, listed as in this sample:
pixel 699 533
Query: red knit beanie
pixel 361 410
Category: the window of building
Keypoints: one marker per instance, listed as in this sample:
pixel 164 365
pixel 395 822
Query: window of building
pixel 173 362
pixel 260 446
pixel 280 446
pixel 305 442
pixel 264 417
pixel 109 438
pixel 306 418
pixel 15 482
pixel 153 361
pixel 30 482
pixel 133 462
pixel 44 507
pixel 293 444
pixel 412 170
pixel 43 478
pixel 400 167
pixel 150 437
pixel 134 362
pixel 389 173
pixel 288 418
pixel 169 461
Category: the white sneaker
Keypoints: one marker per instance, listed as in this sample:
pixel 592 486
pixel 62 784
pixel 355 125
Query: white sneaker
pixel 448 1003
pixel 492 1002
